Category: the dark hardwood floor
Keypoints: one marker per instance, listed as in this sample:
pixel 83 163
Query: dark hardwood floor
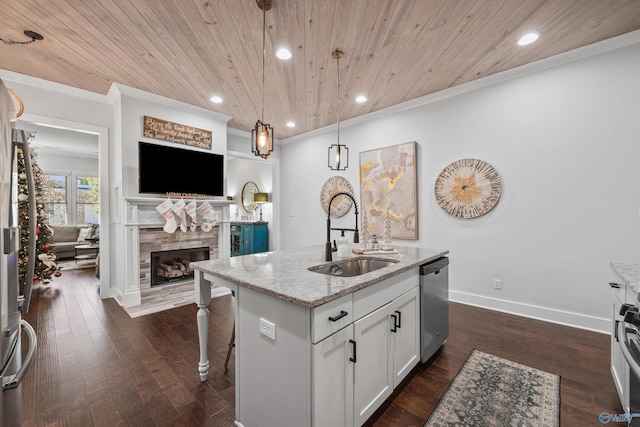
pixel 96 366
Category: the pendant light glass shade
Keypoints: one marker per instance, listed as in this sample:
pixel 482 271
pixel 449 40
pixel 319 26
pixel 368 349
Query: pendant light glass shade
pixel 262 133
pixel 338 157
pixel 262 139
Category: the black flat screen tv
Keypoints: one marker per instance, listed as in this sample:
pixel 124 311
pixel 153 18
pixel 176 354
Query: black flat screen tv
pixel 163 169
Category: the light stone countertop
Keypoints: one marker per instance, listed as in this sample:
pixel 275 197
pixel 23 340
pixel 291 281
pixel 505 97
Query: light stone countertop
pixel 284 274
pixel 629 273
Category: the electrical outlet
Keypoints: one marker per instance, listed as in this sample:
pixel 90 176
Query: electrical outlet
pixel 267 329
pixel 497 284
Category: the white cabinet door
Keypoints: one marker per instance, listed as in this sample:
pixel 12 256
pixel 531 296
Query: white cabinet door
pixel 332 385
pixel 405 337
pixel 373 369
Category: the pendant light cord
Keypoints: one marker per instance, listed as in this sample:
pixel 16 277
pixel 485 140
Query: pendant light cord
pixel 264 21
pixel 338 54
pixel 338 99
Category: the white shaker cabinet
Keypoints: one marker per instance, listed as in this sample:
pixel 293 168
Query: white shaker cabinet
pixel 406 339
pixel 356 369
pixel 341 360
pixel 332 385
pixel 373 371
pixel 388 347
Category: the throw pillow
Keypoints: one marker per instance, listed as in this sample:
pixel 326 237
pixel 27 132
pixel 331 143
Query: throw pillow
pixel 84 233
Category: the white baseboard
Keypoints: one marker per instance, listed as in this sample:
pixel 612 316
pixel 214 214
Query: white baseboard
pixel 576 320
pixel 129 299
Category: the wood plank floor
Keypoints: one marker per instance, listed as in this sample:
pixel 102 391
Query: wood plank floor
pixel 96 366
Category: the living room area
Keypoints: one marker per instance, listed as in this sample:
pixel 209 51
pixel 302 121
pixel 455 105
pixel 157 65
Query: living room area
pixel 85 201
pixel 69 193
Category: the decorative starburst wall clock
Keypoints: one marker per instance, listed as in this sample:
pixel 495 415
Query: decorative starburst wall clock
pixel 342 204
pixel 468 188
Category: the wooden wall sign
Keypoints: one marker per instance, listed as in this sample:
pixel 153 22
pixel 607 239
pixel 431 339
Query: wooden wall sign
pixel 176 132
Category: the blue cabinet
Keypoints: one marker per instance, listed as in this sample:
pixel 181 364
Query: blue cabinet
pixel 249 238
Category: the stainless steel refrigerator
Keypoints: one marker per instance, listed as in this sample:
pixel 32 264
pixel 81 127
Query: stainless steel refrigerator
pixel 14 296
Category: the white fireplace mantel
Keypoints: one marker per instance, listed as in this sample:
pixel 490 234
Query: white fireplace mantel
pixel 140 213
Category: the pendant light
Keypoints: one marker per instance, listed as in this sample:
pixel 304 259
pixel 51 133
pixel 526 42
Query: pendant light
pixel 262 133
pixel 338 158
pixel 17 102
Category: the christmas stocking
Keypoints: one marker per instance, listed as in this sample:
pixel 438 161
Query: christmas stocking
pixel 191 211
pixel 178 209
pixel 209 216
pixel 165 210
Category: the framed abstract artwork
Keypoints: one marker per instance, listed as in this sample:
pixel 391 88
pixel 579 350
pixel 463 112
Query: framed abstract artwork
pixel 388 185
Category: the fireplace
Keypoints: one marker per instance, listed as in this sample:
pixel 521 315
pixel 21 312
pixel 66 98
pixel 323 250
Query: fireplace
pixel 170 267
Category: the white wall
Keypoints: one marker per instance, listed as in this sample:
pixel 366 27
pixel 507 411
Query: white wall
pixel 130 106
pixel 134 105
pixel 565 141
pixel 53 104
pixel 64 157
pixel 243 166
pixel 75 165
pixel 240 171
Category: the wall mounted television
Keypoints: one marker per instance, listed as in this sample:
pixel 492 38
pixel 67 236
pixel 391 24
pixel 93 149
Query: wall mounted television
pixel 163 169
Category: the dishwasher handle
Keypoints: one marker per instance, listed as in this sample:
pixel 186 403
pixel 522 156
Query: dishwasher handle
pixel 434 266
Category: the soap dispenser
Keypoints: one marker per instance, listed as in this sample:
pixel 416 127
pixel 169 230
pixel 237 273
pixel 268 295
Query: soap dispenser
pixel 343 246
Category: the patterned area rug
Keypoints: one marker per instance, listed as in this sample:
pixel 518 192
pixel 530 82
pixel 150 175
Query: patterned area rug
pixel 491 391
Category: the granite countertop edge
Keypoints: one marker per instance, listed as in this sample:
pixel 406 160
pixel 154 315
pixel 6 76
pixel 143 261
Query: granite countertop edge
pixel 232 270
pixel 629 273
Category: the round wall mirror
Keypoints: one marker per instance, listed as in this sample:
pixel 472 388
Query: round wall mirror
pixel 248 190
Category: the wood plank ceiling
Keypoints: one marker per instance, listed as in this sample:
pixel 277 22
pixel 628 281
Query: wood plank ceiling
pixel 394 50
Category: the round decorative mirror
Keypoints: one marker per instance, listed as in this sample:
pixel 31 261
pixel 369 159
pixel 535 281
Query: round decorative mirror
pixel 248 190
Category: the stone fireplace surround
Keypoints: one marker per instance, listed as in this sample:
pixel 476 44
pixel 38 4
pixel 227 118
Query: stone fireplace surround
pixel 154 240
pixel 144 234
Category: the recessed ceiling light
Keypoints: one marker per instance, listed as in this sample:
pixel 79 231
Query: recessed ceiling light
pixel 291 125
pixel 283 53
pixel 528 39
pixel 216 99
pixel 361 98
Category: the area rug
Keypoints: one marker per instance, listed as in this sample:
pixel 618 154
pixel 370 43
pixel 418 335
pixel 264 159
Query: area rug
pixel 491 391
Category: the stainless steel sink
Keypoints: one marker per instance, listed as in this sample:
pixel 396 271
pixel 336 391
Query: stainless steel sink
pixel 352 267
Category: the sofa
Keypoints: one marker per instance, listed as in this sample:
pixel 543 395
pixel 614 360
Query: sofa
pixel 65 238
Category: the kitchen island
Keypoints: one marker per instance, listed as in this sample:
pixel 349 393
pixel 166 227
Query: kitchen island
pixel 315 349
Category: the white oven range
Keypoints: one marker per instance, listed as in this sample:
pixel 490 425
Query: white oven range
pixel 627 336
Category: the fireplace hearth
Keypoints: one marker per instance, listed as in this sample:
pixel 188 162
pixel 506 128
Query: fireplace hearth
pixel 170 267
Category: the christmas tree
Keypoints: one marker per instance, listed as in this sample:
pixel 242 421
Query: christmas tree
pixel 45 266
pixel 387 230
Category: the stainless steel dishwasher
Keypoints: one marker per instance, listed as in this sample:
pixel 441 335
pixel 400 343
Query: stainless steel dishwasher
pixel 434 306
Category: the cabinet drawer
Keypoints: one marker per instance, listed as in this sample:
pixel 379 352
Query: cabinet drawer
pixel 375 296
pixel 322 324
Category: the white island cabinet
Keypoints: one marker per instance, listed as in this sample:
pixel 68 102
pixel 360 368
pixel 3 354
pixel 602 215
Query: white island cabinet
pixel 312 349
pixel 356 369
